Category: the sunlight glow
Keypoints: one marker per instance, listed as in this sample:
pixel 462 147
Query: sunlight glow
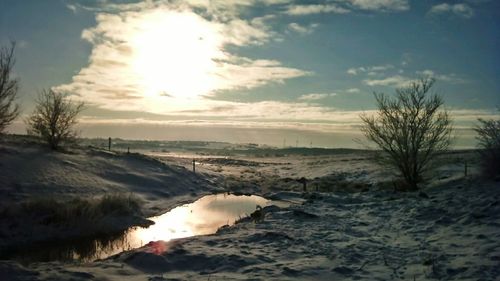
pixel 172 226
pixel 174 54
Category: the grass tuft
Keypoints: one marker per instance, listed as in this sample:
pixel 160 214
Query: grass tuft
pixel 75 211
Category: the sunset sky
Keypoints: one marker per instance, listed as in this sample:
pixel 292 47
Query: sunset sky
pixel 263 71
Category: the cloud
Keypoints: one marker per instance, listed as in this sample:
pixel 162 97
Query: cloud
pixel 301 28
pixel 239 113
pixel 461 10
pixel 73 8
pixel 241 32
pixel 316 96
pixel 315 118
pixel 393 81
pixel 450 78
pixel 371 70
pixel 402 81
pixel 352 71
pixel 346 6
pixel 247 73
pixel 381 5
pixel 299 10
pixel 353 90
pixel 160 58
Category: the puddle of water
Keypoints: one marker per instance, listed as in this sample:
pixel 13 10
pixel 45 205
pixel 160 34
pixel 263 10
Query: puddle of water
pixel 201 217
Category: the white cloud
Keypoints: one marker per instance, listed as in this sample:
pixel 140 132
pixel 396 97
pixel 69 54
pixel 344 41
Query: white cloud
pixel 353 90
pixel 315 9
pixel 161 58
pixel 450 78
pixel 345 6
pixel 426 72
pixel 305 116
pixel 381 67
pixel 402 81
pixel 316 96
pixel 302 29
pixel 371 70
pixel 72 8
pixel 352 71
pixel 461 9
pixel 241 32
pixel 247 73
pixel 381 5
pixel 393 81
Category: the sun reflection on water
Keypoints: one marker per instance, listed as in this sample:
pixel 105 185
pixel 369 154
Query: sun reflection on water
pixel 204 216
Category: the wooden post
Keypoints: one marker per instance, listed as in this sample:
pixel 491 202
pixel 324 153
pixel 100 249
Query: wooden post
pixel 109 143
pixel 128 150
pixel 303 181
pixel 194 167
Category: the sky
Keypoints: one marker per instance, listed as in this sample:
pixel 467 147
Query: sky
pixel 276 72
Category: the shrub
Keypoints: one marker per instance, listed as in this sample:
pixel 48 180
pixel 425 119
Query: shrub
pixel 489 141
pixel 410 129
pixel 8 88
pixel 54 118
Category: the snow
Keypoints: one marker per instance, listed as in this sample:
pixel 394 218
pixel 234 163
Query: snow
pixel 31 171
pixel 451 231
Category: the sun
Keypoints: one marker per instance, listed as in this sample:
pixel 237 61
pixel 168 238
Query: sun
pixel 175 54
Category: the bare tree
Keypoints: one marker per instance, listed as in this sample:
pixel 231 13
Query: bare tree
pixel 8 87
pixel 410 129
pixel 54 118
pixel 489 141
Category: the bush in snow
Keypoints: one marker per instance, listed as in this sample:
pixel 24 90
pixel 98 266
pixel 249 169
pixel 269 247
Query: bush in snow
pixel 8 88
pixel 54 118
pixel 489 141
pixel 411 129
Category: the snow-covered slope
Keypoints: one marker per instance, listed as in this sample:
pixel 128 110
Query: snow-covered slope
pixel 31 170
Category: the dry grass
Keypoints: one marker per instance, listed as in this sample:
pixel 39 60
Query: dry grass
pixel 75 211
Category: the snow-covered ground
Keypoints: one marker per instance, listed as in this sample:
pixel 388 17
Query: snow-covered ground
pixel 29 170
pixel 451 231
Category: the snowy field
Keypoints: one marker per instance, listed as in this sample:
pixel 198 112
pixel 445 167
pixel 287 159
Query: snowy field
pixel 349 225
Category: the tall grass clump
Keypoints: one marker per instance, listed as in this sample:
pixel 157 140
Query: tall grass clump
pixel 75 211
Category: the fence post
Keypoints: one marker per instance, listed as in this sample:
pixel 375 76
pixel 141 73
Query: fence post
pixel 303 181
pixel 194 167
pixel 109 143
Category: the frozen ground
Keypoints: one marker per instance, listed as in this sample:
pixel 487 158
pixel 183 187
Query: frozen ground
pixel 360 230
